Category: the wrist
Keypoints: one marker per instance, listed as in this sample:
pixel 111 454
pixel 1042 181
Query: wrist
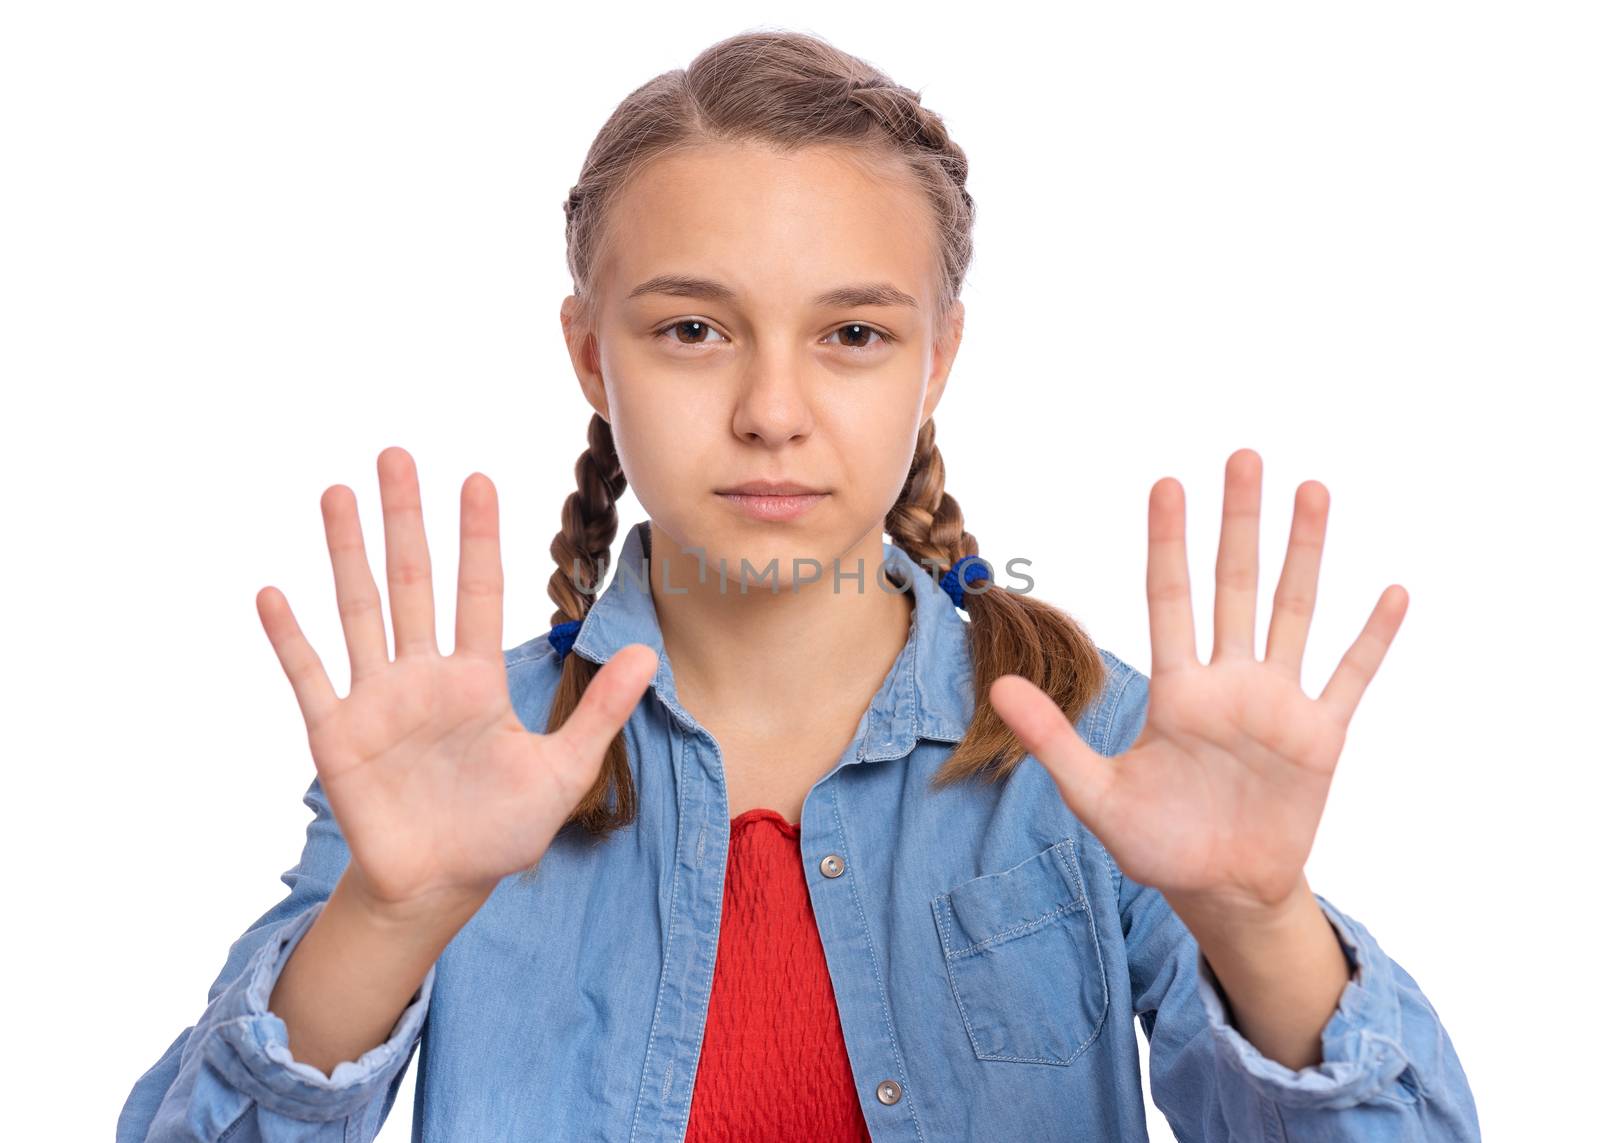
pixel 1248 949
pixel 1241 920
pixel 438 915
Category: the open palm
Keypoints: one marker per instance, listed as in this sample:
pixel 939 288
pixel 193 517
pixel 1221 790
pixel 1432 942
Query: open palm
pixel 437 787
pixel 1219 797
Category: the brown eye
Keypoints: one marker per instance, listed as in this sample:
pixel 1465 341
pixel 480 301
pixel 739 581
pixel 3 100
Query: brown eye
pixel 692 331
pixel 858 335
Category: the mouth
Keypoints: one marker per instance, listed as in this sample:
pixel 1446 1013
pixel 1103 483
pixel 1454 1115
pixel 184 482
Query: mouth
pixel 772 500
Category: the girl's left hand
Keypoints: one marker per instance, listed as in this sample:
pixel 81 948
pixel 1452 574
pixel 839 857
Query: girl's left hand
pixel 1217 801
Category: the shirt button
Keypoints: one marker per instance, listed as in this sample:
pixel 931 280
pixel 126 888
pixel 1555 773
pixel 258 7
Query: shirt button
pixel 832 865
pixel 888 1092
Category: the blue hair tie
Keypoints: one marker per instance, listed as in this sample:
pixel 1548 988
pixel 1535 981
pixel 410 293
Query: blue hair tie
pixel 562 636
pixel 957 578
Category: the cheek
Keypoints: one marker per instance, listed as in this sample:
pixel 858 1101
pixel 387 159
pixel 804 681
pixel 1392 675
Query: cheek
pixel 876 441
pixel 656 396
pixel 666 440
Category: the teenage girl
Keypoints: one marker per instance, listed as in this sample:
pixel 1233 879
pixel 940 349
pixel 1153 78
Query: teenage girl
pixel 790 832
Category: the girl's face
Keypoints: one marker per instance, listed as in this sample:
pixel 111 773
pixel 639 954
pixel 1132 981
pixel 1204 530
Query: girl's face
pixel 767 317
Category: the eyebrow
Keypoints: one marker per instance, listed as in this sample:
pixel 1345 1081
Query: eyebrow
pixel 841 297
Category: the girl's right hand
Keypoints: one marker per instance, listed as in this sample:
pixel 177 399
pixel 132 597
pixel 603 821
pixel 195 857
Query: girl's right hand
pixel 438 788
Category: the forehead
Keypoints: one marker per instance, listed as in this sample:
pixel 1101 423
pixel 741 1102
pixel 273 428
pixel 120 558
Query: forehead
pixel 775 224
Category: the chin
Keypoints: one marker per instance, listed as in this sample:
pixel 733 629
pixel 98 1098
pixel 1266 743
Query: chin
pixel 729 543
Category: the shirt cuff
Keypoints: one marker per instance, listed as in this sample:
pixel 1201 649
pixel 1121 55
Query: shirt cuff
pixel 251 1044
pixel 1361 1046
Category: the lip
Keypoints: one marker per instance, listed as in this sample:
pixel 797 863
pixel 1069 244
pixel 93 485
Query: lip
pixel 769 488
pixel 772 500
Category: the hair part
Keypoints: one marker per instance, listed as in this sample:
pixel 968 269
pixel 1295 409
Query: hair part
pixel 792 90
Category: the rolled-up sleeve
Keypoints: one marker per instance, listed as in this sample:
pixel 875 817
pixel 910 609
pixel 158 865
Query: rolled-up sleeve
pixel 1388 1071
pixel 250 1047
pixel 231 1075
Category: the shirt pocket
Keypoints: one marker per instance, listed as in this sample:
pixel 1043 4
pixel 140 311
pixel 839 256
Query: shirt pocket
pixel 1024 961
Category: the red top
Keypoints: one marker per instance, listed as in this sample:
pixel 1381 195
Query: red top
pixel 773 1064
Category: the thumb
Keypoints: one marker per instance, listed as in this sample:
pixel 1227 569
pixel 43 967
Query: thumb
pixel 607 702
pixel 1082 774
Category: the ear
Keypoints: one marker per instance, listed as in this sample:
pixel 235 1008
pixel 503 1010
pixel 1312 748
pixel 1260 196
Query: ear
pixel 585 356
pixel 946 342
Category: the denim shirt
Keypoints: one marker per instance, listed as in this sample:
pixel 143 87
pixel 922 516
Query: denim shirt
pixel 989 959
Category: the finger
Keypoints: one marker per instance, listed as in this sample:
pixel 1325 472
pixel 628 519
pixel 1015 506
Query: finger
pixel 1234 611
pixel 607 702
pixel 1083 776
pixel 1167 580
pixel 360 607
pixel 406 553
pixel 312 690
pixel 1296 596
pixel 1361 661
pixel 480 582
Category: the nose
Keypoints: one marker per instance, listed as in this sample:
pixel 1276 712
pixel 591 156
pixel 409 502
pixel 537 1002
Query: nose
pixel 773 406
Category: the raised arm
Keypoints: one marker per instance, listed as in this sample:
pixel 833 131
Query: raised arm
pixel 429 791
pixel 1208 802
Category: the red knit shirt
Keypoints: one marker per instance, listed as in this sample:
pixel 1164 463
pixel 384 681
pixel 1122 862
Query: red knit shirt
pixel 773 1064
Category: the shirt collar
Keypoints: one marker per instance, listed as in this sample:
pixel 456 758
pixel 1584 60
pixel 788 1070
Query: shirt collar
pixel 927 693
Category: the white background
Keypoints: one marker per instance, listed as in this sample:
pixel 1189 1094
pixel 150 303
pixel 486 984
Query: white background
pixel 245 247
